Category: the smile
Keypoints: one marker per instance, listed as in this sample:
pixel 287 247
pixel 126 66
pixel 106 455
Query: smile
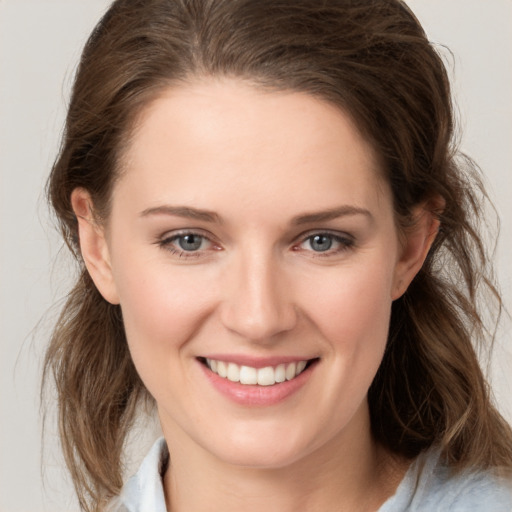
pixel 247 375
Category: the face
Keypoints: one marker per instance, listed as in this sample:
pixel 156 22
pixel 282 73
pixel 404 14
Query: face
pixel 253 250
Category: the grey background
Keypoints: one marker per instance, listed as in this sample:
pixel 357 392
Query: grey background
pixel 40 41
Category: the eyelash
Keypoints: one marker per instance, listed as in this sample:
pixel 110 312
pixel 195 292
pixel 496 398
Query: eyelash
pixel 346 242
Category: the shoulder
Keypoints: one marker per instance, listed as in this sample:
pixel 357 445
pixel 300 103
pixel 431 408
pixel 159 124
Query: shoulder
pixel 476 491
pixel 430 485
pixel 144 490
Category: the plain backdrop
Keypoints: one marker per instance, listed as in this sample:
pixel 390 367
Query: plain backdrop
pixel 40 42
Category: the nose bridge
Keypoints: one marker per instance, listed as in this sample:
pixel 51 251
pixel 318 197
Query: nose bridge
pixel 258 304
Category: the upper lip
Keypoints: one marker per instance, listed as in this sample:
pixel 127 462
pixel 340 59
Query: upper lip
pixel 255 361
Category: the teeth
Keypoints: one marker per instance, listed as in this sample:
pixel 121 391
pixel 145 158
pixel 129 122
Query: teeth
pixel 233 372
pixel 280 373
pixel 222 369
pixel 267 376
pixel 300 367
pixel 290 371
pixel 248 375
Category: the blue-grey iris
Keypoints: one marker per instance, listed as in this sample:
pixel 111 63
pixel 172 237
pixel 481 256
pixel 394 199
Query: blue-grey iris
pixel 321 243
pixel 190 242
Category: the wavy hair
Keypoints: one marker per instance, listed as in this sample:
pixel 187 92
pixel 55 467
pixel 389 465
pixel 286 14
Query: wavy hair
pixel 372 59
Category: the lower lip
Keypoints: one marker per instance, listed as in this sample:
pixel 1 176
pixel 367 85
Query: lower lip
pixel 253 395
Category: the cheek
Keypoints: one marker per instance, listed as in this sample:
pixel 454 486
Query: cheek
pixel 353 306
pixel 162 308
pixel 352 312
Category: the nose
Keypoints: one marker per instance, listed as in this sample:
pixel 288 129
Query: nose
pixel 257 303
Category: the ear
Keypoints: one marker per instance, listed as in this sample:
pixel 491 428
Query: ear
pixel 416 243
pixel 93 245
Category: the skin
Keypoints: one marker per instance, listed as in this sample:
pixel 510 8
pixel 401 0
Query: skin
pixel 257 287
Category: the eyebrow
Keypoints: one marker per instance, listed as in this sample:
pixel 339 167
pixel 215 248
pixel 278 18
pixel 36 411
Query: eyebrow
pixel 209 216
pixel 182 211
pixel 331 214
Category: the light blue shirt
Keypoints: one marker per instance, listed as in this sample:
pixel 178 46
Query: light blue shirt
pixel 426 487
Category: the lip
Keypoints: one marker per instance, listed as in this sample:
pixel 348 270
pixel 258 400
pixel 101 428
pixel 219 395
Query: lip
pixel 254 395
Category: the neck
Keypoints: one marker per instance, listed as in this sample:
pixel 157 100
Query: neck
pixel 351 472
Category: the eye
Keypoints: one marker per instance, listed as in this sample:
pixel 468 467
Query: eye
pixel 326 243
pixel 187 244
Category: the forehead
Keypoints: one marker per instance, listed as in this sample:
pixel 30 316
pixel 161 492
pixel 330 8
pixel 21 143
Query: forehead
pixel 223 135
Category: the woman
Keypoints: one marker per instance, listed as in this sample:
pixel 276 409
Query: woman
pixel 277 248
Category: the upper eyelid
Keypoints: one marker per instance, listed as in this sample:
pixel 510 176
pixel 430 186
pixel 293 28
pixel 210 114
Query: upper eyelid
pixel 332 232
pixel 176 233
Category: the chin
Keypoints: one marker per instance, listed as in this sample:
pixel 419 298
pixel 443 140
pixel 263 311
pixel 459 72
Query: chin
pixel 263 451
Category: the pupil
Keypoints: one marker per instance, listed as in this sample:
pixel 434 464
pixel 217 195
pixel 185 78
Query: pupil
pixel 321 243
pixel 190 242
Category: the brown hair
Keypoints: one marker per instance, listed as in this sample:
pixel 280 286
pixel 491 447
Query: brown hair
pixel 372 59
